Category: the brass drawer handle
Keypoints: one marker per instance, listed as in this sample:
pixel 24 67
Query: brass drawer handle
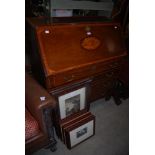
pixel 68 79
pixel 114 64
pixel 111 65
pixel 93 68
pixel 104 85
pixel 110 74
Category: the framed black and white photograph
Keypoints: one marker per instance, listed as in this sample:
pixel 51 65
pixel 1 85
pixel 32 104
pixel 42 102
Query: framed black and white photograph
pixel 72 102
pixel 68 123
pixel 82 132
pixel 79 132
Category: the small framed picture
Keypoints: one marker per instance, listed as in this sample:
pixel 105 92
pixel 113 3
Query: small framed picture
pixel 68 123
pixel 80 131
pixel 72 102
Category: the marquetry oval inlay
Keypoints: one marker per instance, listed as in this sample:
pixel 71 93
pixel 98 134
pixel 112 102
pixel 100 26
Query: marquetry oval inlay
pixel 90 43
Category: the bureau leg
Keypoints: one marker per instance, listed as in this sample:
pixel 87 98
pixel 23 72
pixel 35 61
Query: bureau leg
pixel 117 99
pixel 114 94
pixel 52 146
pixel 120 91
pixel 107 97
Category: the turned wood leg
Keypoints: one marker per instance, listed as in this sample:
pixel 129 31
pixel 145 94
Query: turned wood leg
pixel 120 91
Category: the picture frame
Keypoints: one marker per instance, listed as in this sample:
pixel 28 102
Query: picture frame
pixel 61 91
pixel 65 125
pixel 79 132
pixel 72 102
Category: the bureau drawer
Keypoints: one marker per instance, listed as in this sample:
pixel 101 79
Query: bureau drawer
pixel 107 75
pixel 102 83
pixel 100 88
pixel 88 71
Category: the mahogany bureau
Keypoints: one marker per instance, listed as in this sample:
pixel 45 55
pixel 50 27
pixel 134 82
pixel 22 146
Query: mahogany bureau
pixel 68 51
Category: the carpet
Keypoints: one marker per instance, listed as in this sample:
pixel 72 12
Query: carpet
pixel 111 135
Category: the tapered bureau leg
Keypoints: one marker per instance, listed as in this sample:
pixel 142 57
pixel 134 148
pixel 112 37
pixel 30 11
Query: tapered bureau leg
pixel 117 99
pixel 120 91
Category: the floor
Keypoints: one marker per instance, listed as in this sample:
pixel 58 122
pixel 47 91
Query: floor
pixel 112 132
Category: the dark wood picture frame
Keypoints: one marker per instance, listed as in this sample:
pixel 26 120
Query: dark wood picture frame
pixel 67 89
pixel 71 88
pixel 66 124
pixel 83 130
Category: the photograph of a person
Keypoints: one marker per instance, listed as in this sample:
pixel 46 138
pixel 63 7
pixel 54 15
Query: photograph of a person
pixel 72 105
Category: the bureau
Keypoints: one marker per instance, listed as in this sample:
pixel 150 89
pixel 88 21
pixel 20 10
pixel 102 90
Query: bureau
pixel 66 51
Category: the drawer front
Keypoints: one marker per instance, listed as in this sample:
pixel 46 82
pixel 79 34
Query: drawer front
pixel 102 84
pixel 106 76
pixel 100 88
pixel 85 72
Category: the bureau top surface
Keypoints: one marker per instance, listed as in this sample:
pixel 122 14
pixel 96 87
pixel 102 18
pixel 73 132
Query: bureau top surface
pixel 74 45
